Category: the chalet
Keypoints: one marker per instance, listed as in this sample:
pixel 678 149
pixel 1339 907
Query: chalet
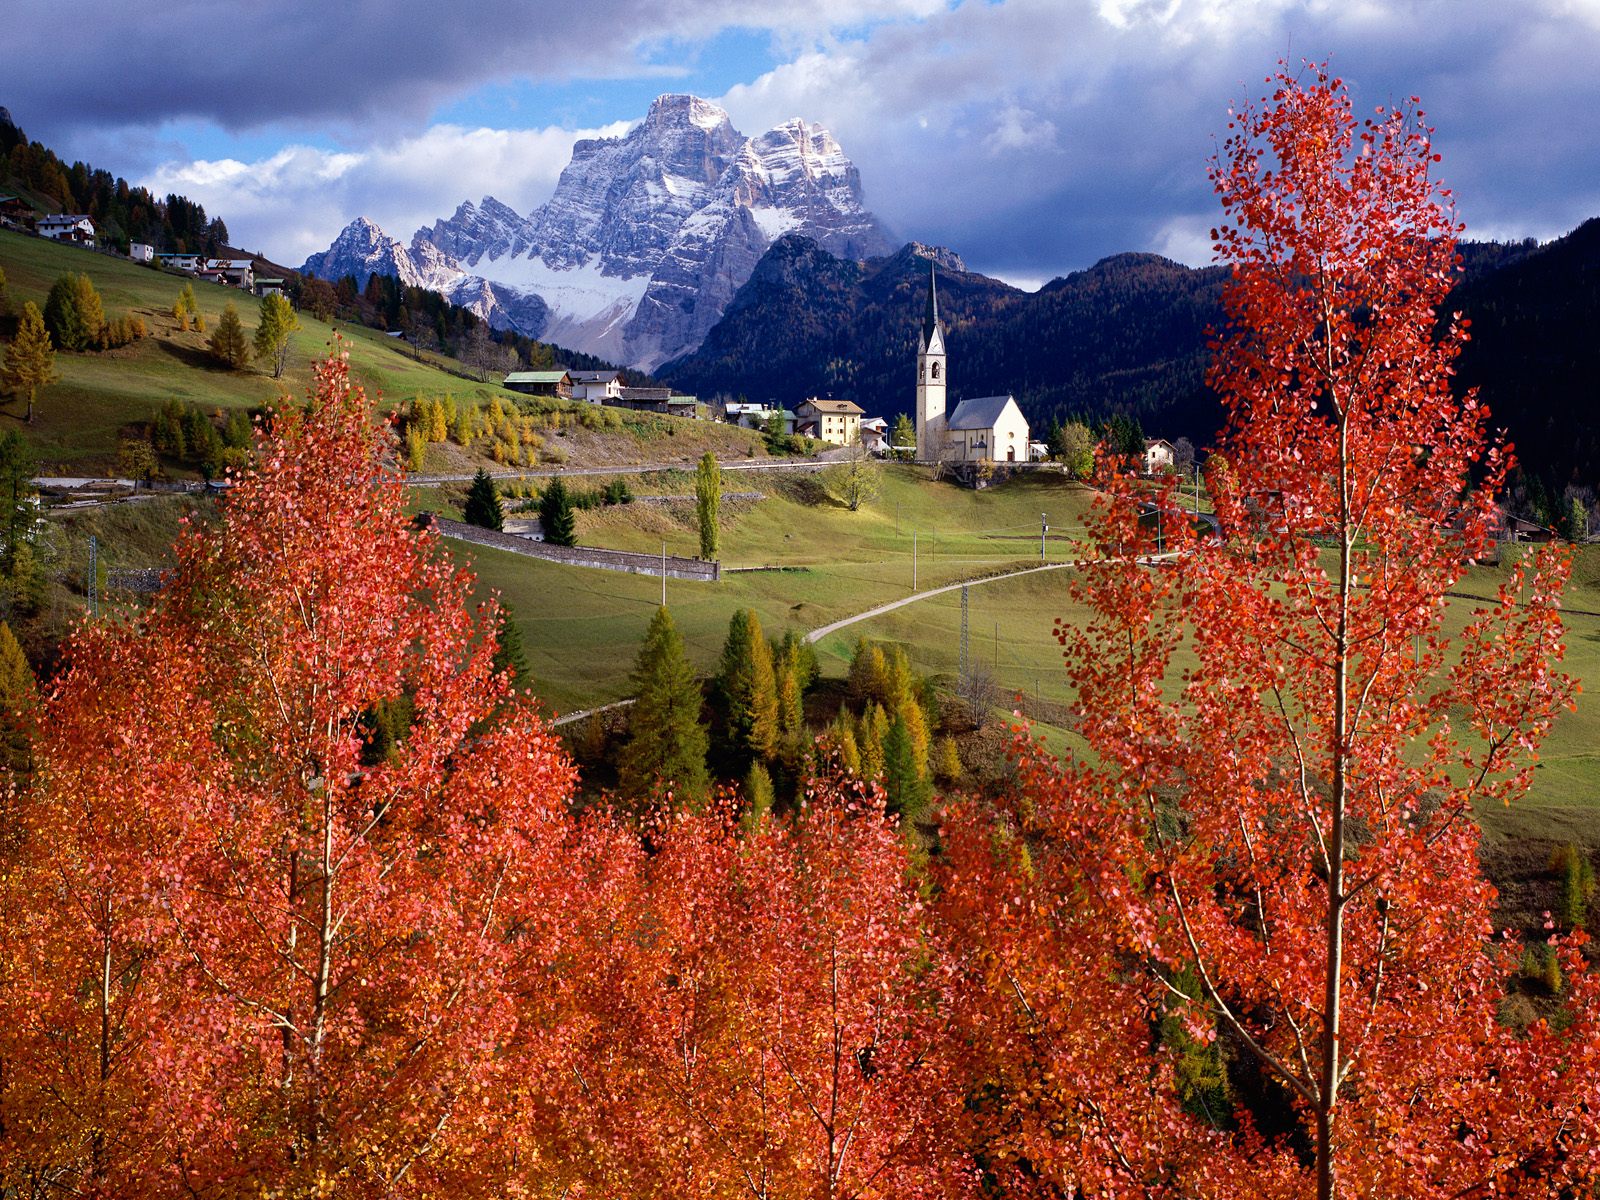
pixel 541 383
pixel 142 252
pixel 236 272
pixel 268 287
pixel 67 227
pixel 1158 456
pixel 14 210
pixel 837 422
pixel 190 264
pixel 596 387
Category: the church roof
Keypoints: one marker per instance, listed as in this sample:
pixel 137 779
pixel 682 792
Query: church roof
pixel 930 319
pixel 979 413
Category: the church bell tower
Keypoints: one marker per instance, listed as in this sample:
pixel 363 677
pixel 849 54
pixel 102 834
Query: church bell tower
pixel 931 379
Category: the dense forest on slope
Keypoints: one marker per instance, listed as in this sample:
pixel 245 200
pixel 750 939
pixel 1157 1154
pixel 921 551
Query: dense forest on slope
pixel 1128 336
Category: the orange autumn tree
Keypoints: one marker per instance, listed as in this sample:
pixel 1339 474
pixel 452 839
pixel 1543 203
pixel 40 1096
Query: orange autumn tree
pixel 1268 847
pixel 763 1018
pixel 304 929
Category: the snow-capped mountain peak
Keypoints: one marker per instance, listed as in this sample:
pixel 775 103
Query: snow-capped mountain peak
pixel 646 237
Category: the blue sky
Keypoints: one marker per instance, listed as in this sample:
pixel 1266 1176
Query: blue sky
pixel 1032 136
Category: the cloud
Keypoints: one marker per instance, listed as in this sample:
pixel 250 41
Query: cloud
pixel 1041 135
pixel 351 64
pixel 292 203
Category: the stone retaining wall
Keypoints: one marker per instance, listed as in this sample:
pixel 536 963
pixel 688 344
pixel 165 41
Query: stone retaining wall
pixel 583 556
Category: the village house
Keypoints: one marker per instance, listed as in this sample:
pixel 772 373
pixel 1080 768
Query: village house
pixel 837 422
pixel 268 287
pixel 142 252
pixel 190 264
pixel 1158 456
pixel 987 429
pixel 875 434
pixel 67 227
pixel 235 272
pixel 596 387
pixel 540 383
pixel 15 211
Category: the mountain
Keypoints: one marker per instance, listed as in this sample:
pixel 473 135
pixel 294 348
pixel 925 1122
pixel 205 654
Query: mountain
pixel 645 240
pixel 1128 335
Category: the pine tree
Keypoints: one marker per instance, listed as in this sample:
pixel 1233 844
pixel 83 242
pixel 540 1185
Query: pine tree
pixel 748 690
pixel 483 504
pixel 276 322
pixel 556 517
pixel 903 434
pixel 666 741
pixel 228 342
pixel 708 502
pixel 509 655
pixel 30 360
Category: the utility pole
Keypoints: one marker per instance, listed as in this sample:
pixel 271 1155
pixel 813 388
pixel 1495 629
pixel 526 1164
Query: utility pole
pixel 1044 528
pixel 92 592
pixel 913 560
pixel 663 572
pixel 997 649
pixel 963 632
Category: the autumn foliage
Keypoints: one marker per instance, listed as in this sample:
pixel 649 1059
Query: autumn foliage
pixel 296 899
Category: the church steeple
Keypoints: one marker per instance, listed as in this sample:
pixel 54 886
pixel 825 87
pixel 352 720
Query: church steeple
pixel 931 378
pixel 932 328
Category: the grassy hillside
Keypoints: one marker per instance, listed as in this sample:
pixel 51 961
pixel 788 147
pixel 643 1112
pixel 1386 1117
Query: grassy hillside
pixel 102 395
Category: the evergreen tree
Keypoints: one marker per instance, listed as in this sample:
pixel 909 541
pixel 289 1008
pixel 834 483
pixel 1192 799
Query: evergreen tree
pixel 510 657
pixel 748 691
pixel 666 740
pixel 276 322
pixel 758 794
pixel 556 517
pixel 72 312
pixel 903 434
pixel 708 502
pixel 228 343
pixel 905 783
pixel 30 362
pixel 483 504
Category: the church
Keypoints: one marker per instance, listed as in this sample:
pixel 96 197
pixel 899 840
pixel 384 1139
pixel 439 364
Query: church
pixel 987 429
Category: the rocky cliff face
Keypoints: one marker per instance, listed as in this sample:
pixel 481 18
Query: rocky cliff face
pixel 646 239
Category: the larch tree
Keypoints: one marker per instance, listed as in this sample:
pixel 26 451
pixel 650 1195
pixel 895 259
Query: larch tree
pixel 747 693
pixel 297 949
pixel 275 323
pixel 1282 828
pixel 666 748
pixel 227 342
pixel 30 362
pixel 73 313
pixel 708 503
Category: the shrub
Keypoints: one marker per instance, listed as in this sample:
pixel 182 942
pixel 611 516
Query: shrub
pixel 1541 966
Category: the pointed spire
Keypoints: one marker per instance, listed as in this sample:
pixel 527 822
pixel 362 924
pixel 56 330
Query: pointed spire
pixel 930 322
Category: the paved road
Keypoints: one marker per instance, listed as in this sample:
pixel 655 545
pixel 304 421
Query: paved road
pixel 817 635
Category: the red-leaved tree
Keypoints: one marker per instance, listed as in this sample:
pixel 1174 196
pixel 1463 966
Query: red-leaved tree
pixel 1268 848
pixel 280 834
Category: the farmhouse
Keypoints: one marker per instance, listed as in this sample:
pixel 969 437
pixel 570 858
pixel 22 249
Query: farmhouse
pixel 540 383
pixel 67 227
pixel 188 263
pixel 837 422
pixel 237 272
pixel 596 387
pixel 987 429
pixel 14 210
pixel 1158 456
pixel 142 252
